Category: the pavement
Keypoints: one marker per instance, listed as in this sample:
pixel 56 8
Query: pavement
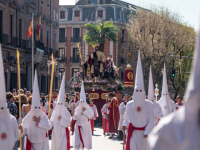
pixel 101 142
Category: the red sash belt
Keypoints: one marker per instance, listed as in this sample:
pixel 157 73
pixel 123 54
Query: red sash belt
pixel 28 143
pixel 131 128
pixel 68 139
pixel 79 129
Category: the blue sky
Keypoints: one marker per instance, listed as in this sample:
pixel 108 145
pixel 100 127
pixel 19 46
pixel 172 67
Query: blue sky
pixel 189 9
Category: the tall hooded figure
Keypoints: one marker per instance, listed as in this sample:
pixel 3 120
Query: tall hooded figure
pixel 138 117
pixel 157 111
pixel 61 121
pixel 181 130
pixel 165 102
pixel 36 123
pixel 9 132
pixel 82 137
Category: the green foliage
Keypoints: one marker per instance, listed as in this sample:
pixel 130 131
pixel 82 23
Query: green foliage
pixel 97 33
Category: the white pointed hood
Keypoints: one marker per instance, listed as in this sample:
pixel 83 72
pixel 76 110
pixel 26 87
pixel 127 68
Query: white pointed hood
pixel 60 110
pixel 6 121
pixel 192 95
pixel 151 87
pixel 35 134
pixel 165 101
pixel 36 95
pixel 139 97
pixel 82 95
pixel 3 105
pixel 82 104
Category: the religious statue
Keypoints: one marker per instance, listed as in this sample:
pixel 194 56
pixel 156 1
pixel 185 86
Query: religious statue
pixel 109 64
pixel 89 67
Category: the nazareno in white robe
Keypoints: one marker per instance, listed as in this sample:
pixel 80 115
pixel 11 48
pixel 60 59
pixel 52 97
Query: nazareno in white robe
pixel 44 125
pixel 9 132
pixel 138 142
pixel 122 109
pixel 59 140
pixel 82 119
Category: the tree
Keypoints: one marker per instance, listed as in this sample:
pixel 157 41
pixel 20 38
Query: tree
pixel 156 33
pixel 97 33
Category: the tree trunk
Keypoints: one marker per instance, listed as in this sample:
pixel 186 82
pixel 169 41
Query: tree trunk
pixel 101 47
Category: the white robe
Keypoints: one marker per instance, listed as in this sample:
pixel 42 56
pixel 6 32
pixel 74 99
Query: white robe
pixel 60 142
pixel 178 131
pixel 122 109
pixel 105 111
pixel 94 109
pixel 44 124
pixel 13 135
pixel 86 132
pixel 157 112
pixel 71 105
pixel 46 107
pixel 137 141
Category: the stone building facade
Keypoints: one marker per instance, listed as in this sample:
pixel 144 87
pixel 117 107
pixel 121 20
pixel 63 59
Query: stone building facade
pixel 15 17
pixel 72 20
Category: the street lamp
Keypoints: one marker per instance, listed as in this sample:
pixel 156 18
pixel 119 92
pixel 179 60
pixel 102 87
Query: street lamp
pixel 156 91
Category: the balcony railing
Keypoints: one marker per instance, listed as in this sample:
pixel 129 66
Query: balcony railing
pixel 62 59
pixel 123 40
pixel 14 42
pixel 74 59
pixel 39 45
pixel 75 39
pixel 4 39
pixel 22 43
pixel 62 39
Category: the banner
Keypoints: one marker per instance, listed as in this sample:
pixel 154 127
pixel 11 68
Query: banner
pixel 128 78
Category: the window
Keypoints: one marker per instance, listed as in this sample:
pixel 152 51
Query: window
pixel 123 33
pixel 75 54
pixel 100 13
pixel 122 76
pixel 11 27
pixel 62 14
pixel 61 34
pixel 76 32
pixel 74 71
pixel 1 23
pixel 62 52
pixel 20 31
pixel 122 15
pixel 77 13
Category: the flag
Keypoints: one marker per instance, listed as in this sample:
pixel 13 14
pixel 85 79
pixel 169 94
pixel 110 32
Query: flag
pixel 39 28
pixel 30 28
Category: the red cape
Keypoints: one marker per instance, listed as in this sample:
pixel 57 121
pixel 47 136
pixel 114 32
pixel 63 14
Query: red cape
pixel 113 117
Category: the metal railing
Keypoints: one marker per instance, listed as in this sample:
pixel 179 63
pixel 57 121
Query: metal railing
pixel 22 43
pixel 74 59
pixel 62 39
pixel 4 39
pixel 14 42
pixel 39 45
pixel 75 39
pixel 62 59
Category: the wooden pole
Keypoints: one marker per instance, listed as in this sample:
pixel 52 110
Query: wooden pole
pixel 19 84
pixel 123 139
pixel 180 73
pixel 32 48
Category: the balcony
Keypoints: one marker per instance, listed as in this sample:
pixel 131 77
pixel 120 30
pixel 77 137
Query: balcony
pixel 62 59
pixel 39 45
pixel 76 39
pixel 123 40
pixel 62 39
pixel 4 39
pixel 74 59
pixel 22 43
pixel 14 42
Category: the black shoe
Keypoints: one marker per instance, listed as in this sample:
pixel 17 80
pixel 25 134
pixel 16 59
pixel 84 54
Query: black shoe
pixel 92 133
pixel 104 133
pixel 110 137
pixel 72 133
